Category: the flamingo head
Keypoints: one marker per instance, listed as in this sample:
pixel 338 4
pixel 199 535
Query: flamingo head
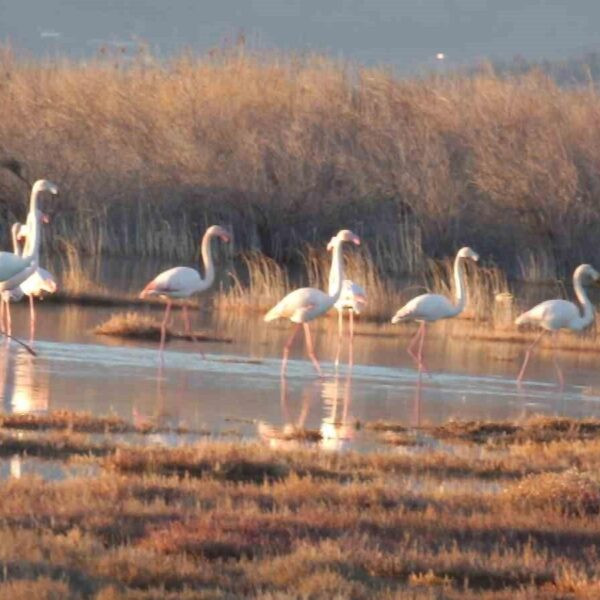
pixel 344 235
pixel 43 185
pixel 17 232
pixel 587 273
pixel 217 230
pixel 467 252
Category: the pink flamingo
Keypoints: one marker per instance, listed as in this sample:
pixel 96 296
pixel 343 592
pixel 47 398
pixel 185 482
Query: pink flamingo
pixel 305 304
pixel 428 308
pixel 553 315
pixel 182 282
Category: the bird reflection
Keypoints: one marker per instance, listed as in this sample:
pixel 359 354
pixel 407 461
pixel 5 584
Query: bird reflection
pixel 338 428
pixel 293 432
pixel 25 389
pixel 163 419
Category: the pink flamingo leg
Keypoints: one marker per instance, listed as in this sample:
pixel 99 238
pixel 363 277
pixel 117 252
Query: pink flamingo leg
pixel 559 373
pixel 418 357
pixel 339 337
pixel 422 365
pixel 286 348
pixel 351 341
pixel 527 355
pixel 188 329
pixel 8 319
pixel 417 406
pixel 413 341
pixel 31 320
pixel 310 350
pixel 2 315
pixel 163 330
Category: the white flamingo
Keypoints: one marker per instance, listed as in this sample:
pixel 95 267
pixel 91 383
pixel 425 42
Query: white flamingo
pixel 554 315
pixel 38 283
pixel 16 267
pixel 305 304
pixel 14 270
pixel 428 308
pixel 352 298
pixel 182 282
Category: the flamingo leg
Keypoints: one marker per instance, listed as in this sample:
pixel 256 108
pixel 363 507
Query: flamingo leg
pixel 351 340
pixel 417 406
pixel 31 320
pixel 527 355
pixel 188 328
pixel 286 348
pixel 310 350
pixel 559 373
pixel 163 330
pixel 422 366
pixel 339 337
pixel 2 314
pixel 8 319
pixel 413 341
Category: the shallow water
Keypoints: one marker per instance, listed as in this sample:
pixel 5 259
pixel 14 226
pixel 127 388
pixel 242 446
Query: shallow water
pixel 237 391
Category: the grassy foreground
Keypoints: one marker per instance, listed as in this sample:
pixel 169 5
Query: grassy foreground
pixel 502 514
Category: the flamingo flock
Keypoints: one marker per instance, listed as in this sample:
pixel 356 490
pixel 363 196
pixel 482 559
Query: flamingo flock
pixel 21 275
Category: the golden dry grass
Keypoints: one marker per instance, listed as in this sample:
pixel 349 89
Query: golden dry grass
pixel 416 166
pixel 145 327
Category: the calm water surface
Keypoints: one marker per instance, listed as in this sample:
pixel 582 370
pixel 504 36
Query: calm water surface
pixel 237 391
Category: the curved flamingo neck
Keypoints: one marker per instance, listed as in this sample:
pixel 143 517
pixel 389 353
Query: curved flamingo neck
pixel 32 243
pixel 336 273
pixel 459 282
pixel 207 260
pixel 588 308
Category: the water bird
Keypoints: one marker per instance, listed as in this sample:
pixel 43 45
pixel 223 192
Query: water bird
pixel 353 298
pixel 16 267
pixel 428 308
pixel 554 315
pixel 183 282
pixel 305 304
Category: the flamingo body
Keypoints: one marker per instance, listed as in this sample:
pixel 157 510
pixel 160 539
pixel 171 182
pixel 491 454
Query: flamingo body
pixel 553 315
pixel 178 282
pixel 426 307
pixel 301 306
pixel 39 282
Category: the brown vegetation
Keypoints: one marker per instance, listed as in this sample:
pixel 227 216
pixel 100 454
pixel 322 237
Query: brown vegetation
pixel 144 327
pixel 146 153
pixel 219 520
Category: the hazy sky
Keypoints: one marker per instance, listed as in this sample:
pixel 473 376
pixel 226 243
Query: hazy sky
pixel 405 33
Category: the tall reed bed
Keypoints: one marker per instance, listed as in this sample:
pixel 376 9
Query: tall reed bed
pixel 286 150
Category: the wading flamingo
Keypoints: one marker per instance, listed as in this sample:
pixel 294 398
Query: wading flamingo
pixel 182 282
pixel 305 304
pixel 553 315
pixel 427 308
pixel 14 270
pixel 40 282
pixel 353 298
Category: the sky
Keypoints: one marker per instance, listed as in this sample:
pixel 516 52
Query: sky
pixel 406 34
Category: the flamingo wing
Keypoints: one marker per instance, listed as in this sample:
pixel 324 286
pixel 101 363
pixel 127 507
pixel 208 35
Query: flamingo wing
pixel 426 307
pixel 178 282
pixel 37 283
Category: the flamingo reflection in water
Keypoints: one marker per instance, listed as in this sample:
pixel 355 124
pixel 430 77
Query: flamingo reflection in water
pixel 338 427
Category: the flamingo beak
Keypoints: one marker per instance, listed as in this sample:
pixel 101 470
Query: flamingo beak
pixel 356 240
pixel 225 237
pixel 45 218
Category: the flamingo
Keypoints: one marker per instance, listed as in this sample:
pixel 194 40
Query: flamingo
pixel 14 270
pixel 428 308
pixel 182 282
pixel 554 315
pixel 39 282
pixel 305 304
pixel 353 298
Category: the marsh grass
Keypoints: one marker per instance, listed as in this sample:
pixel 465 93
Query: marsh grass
pixel 150 152
pixel 219 520
pixel 134 325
